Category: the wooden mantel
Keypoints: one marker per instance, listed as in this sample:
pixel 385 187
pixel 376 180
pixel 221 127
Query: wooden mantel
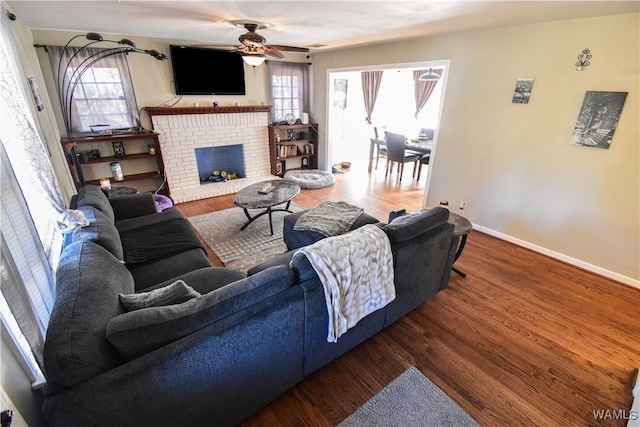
pixel 169 111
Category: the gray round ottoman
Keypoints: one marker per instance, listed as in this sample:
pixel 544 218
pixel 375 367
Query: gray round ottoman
pixel 310 178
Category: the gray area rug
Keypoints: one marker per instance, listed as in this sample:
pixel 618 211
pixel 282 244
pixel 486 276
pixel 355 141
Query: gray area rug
pixel 242 249
pixel 410 400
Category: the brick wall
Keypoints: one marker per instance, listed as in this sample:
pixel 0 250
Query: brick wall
pixel 180 135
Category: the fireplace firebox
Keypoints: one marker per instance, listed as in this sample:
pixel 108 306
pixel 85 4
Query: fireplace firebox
pixel 217 164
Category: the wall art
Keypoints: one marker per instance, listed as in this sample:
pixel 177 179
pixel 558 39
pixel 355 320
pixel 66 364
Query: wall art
pixel 340 93
pixel 118 149
pixel 522 92
pixel 598 118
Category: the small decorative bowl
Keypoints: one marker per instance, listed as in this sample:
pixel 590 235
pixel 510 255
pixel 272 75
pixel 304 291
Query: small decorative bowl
pixel 345 165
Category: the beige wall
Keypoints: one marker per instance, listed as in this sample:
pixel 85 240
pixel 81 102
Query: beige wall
pixel 512 164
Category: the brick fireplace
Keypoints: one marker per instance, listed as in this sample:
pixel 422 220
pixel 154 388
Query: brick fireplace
pixel 183 130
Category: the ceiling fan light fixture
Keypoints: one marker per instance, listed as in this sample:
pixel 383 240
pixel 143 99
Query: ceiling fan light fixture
pixel 429 76
pixel 242 23
pixel 253 59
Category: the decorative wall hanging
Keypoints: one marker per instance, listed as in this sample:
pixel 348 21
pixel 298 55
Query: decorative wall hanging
pixel 583 60
pixel 598 118
pixel 35 91
pixel 522 92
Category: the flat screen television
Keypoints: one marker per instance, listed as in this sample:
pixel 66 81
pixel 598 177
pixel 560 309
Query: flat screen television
pixel 201 71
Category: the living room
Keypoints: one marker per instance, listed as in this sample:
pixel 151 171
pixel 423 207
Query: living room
pixel 512 164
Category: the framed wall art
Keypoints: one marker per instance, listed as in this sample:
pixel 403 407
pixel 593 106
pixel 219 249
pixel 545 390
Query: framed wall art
pixel 522 92
pixel 340 93
pixel 118 149
pixel 598 118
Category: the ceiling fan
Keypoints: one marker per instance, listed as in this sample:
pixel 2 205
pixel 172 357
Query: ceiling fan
pixel 252 45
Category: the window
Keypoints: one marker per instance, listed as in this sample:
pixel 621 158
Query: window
pixel 289 84
pixel 100 98
pixel 283 102
pixel 101 90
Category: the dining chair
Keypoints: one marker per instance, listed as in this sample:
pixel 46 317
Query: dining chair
pixel 380 151
pixel 397 153
pixel 426 133
pixel 423 160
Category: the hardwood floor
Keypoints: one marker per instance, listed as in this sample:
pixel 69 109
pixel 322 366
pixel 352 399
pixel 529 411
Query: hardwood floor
pixel 522 340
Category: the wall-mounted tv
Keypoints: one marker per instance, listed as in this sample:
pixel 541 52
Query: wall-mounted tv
pixel 201 71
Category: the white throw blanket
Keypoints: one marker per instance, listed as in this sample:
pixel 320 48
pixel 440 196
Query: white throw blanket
pixel 356 271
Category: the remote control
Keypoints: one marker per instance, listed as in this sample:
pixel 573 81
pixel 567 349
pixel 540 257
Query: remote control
pixel 266 189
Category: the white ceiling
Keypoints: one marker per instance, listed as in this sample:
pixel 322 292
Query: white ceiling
pixel 336 24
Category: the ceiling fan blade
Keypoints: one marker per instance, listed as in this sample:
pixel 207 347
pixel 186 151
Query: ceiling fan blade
pixel 269 50
pixel 216 47
pixel 289 48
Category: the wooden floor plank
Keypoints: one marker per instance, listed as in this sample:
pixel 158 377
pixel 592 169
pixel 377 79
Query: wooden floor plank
pixel 523 340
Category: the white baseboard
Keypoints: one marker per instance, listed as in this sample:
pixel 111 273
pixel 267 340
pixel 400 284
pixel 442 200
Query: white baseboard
pixel 569 260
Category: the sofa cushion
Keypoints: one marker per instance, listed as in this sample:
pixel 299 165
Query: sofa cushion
pixel 139 332
pixel 88 281
pixel 153 273
pixel 154 242
pixel 175 293
pixel 100 230
pixel 92 195
pixel 144 220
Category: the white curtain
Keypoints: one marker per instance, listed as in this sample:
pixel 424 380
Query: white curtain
pixel 104 92
pixel 288 89
pixel 33 210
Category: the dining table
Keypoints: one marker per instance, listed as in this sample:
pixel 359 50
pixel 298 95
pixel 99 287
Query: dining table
pixel 422 146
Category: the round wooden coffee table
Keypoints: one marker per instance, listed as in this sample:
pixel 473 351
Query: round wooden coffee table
pixel 266 195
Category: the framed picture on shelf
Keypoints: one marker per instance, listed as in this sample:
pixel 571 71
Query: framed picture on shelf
pixel 118 149
pixel 305 161
pixel 280 166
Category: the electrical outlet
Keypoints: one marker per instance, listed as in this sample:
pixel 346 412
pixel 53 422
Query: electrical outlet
pixel 463 206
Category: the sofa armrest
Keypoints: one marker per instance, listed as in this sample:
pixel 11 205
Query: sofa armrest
pixel 295 239
pixel 133 205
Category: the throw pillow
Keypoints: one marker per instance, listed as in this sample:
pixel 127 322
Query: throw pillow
pixel 175 293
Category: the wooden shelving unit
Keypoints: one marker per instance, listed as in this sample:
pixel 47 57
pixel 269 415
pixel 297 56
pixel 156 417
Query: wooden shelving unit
pixel 135 164
pixel 293 147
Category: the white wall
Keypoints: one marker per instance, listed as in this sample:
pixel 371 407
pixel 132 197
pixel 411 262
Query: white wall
pixel 17 386
pixel 512 163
